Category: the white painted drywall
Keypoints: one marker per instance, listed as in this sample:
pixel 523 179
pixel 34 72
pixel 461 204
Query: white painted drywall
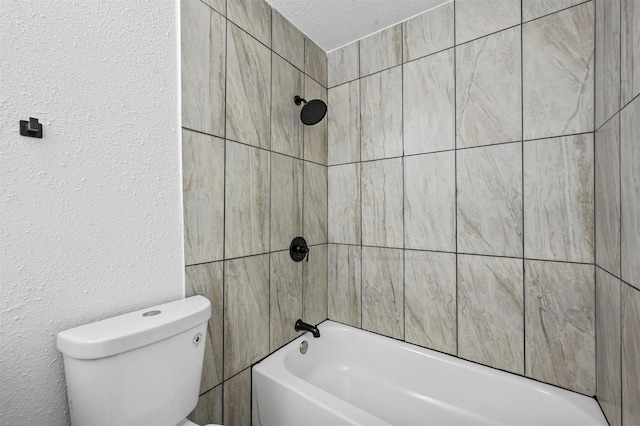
pixel 90 215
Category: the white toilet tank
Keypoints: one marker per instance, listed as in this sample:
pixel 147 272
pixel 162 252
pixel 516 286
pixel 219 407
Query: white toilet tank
pixel 141 368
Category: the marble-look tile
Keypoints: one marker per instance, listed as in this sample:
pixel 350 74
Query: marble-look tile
pixel 286 127
pixel 429 104
pixel 381 50
pixel 206 280
pixel 532 9
pixel 286 200
pixel 382 203
pixel 246 201
pixel 343 64
pixel 209 408
pixel 248 93
pixel 558 199
pixel 381 103
pixel 428 33
pixel 430 300
pixel 237 400
pixel 344 204
pixel 253 16
pixel 488 94
pixel 490 311
pixel 344 124
pixel 630 183
pixel 315 62
pixel 288 41
pixel 557 53
pixel 219 6
pixel 477 18
pixel 607 196
pixel 203 197
pixel 286 298
pixel 607 44
pixel 315 203
pixel 383 291
pixel 630 58
pixel 430 202
pixel 560 324
pixel 315 137
pixel 203 41
pixel 490 200
pixel 630 358
pixel 314 282
pixel 344 284
pixel 608 377
pixel 246 312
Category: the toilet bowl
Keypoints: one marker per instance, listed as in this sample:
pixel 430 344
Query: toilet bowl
pixel 190 423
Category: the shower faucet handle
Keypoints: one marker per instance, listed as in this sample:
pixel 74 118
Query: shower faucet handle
pixel 299 249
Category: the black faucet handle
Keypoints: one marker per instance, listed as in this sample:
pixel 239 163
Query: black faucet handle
pixel 299 249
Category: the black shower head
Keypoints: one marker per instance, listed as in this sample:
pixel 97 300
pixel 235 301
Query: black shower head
pixel 312 112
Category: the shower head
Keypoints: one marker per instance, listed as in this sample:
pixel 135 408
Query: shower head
pixel 312 112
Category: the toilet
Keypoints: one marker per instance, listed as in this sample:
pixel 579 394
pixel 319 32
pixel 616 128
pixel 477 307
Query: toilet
pixel 138 369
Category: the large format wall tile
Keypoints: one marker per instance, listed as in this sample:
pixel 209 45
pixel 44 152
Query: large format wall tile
pixel 560 324
pixel 630 59
pixel 253 16
pixel 202 42
pixel 315 62
pixel 219 6
pixel 344 124
pixel 490 200
pixel 381 50
pixel 430 202
pixel 314 286
pixel 558 199
pixel 382 203
pixel 286 200
pixel 477 18
pixel 343 64
pixel 286 127
pixel 558 73
pixel 286 298
pixel 630 183
pixel 203 197
pixel 344 289
pixel 607 44
pixel 429 104
pixel 607 197
pixel 382 291
pixel 315 137
pixel 288 41
pixel 206 280
pixel 488 94
pixel 430 300
pixel 428 33
pixel 209 408
pixel 246 201
pixel 246 312
pixel 344 204
pixel 315 203
pixel 608 385
pixel 630 358
pixel 532 9
pixel 490 311
pixel 237 399
pixel 381 103
pixel 248 93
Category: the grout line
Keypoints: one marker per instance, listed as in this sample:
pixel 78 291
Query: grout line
pixel 224 210
pixel 404 190
pixel 455 171
pixel 522 194
pixel 595 224
pixel 619 141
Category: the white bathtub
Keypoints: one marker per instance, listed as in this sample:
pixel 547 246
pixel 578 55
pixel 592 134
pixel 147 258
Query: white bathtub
pixel 353 377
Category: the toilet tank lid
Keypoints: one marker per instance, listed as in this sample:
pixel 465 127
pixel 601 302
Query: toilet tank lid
pixel 123 333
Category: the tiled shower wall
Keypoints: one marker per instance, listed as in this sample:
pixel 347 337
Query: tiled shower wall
pixel 461 186
pixel 254 178
pixel 617 202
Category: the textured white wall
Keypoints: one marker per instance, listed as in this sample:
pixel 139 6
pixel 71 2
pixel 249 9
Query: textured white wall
pixel 90 215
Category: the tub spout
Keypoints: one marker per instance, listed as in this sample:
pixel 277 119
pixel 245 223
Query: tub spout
pixel 303 326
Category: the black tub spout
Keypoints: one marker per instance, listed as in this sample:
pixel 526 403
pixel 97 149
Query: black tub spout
pixel 303 326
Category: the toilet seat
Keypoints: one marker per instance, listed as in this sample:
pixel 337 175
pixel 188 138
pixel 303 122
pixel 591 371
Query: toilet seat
pixel 188 422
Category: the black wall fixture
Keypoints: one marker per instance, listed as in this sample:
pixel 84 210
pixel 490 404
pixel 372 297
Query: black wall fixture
pixel 299 249
pixel 312 112
pixel 31 128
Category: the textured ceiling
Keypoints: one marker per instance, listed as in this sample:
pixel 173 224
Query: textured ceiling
pixel 334 23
